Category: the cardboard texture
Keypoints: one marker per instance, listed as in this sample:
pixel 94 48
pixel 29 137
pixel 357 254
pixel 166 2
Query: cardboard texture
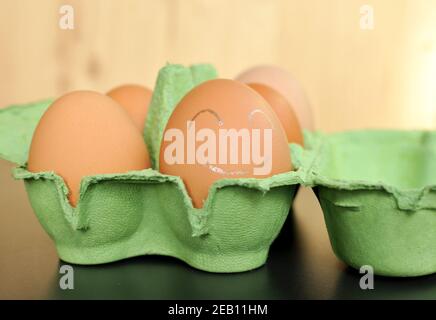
pixel 145 212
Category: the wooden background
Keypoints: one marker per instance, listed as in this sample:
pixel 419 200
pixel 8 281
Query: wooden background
pixel 354 78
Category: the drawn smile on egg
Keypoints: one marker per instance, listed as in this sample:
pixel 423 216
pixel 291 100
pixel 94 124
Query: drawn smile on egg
pixel 206 154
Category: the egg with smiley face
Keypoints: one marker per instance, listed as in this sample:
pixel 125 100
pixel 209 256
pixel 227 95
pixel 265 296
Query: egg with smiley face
pixel 222 129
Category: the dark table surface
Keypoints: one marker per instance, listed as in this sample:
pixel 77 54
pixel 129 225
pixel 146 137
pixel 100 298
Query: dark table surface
pixel 301 265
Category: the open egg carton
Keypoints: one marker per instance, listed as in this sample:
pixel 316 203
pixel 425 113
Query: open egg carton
pixel 377 189
pixel 146 212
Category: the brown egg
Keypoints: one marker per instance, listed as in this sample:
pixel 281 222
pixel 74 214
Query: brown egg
pixel 135 99
pixel 283 110
pixel 222 129
pixel 281 80
pixel 85 133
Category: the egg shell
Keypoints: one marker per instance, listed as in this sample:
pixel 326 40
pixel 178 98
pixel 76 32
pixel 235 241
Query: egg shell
pixel 135 99
pixel 283 110
pixel 223 104
pixel 282 81
pixel 85 133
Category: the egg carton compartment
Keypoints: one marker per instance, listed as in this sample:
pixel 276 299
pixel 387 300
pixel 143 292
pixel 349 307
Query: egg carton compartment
pixel 377 190
pixel 145 212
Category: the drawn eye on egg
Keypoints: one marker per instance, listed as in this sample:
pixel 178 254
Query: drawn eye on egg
pixel 215 168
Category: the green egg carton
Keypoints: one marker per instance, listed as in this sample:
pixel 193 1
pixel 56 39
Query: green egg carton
pixel 145 212
pixel 377 190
